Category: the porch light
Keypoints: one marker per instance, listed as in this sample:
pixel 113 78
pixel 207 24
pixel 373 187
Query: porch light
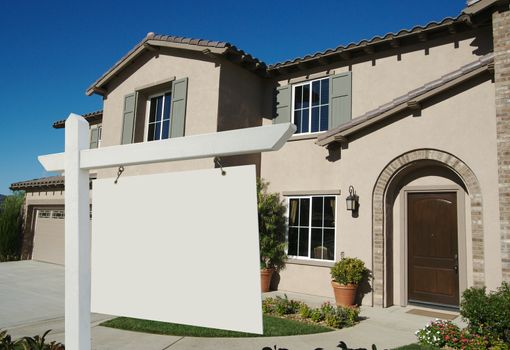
pixel 352 199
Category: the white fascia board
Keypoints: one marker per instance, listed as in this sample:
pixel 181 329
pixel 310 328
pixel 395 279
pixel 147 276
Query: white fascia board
pixel 225 143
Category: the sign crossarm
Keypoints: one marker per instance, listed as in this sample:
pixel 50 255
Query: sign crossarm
pixel 225 143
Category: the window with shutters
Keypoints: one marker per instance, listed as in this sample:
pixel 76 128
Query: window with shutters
pixel 311 230
pixel 158 116
pixel 310 106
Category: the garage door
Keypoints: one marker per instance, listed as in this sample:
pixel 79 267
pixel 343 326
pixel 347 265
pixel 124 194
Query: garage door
pixel 49 236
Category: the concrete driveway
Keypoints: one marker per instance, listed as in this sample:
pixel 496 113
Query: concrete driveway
pixel 30 291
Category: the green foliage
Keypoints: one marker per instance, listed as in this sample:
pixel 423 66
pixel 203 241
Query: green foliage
pixel 271 212
pixel 273 327
pixel 28 343
pixel 488 314
pixel 10 227
pixel 349 271
pixel 280 306
pixel 333 316
pixel 305 311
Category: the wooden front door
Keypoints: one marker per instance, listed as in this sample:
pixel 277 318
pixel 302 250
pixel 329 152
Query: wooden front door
pixel 433 248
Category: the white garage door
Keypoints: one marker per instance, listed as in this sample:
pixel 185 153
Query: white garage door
pixel 49 236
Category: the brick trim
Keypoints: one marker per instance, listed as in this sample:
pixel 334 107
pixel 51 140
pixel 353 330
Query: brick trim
pixel 500 31
pixel 378 213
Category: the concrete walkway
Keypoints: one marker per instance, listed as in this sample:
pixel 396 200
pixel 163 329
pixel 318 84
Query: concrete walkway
pixel 31 302
pixel 387 328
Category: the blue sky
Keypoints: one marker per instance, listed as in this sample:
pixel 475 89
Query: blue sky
pixel 51 51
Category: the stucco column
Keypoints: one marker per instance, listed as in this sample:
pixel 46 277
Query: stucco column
pixel 501 34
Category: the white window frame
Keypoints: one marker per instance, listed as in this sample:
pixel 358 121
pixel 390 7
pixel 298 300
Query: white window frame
pixel 308 82
pixel 297 257
pixel 148 111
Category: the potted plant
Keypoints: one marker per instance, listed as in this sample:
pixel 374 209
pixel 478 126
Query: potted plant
pixel 271 213
pixel 347 274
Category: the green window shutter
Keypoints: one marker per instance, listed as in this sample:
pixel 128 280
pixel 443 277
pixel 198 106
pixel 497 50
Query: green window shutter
pixel 283 102
pixel 178 107
pixel 340 99
pixel 128 123
pixel 94 137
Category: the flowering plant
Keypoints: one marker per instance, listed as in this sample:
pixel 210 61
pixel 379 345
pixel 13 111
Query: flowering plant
pixel 445 334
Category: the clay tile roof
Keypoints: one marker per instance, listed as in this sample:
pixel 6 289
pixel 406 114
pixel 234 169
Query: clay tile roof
pixel 374 40
pixel 44 182
pixel 413 95
pixel 153 39
pixel 91 117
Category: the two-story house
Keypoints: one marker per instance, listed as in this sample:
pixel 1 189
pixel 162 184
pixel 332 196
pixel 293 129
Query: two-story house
pixel 414 125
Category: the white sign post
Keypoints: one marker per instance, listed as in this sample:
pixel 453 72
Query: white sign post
pixel 76 163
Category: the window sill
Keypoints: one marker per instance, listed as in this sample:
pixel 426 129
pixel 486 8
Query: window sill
pixel 317 263
pixel 298 137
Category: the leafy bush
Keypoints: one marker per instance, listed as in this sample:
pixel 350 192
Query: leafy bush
pixel 10 227
pixel 272 230
pixel 349 271
pixel 439 333
pixel 28 343
pixel 488 314
pixel 331 315
pixel 280 306
pixel 305 311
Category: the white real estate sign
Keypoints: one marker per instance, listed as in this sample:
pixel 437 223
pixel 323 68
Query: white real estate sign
pixel 134 268
pixel 178 247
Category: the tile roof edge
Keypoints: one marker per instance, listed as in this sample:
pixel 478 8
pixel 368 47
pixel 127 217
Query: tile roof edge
pixel 409 96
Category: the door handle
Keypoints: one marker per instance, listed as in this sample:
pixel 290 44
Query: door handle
pixel 456 266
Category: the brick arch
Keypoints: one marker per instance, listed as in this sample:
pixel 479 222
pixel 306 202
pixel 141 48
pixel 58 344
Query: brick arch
pixel 378 212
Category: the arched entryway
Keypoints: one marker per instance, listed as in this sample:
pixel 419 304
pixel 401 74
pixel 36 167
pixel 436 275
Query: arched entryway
pixel 392 181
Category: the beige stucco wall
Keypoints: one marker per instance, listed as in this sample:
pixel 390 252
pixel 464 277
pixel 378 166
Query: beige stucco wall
pixel 203 75
pixel 462 125
pixel 379 78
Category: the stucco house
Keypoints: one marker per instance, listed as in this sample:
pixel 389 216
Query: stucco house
pixel 417 122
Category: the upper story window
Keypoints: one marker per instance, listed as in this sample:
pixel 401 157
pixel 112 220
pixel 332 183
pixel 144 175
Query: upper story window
pixel 95 136
pixel 312 227
pixel 311 106
pixel 156 111
pixel 316 105
pixel 158 118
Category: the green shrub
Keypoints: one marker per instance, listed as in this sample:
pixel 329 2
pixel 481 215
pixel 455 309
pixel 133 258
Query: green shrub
pixel 333 316
pixel 28 343
pixel 10 227
pixel 272 229
pixel 316 315
pixel 349 271
pixel 280 306
pixel 488 314
pixel 305 311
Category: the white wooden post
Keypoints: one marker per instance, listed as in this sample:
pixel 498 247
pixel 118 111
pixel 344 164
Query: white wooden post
pixel 77 237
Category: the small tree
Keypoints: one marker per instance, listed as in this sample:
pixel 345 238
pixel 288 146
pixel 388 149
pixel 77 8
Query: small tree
pixel 10 226
pixel 272 228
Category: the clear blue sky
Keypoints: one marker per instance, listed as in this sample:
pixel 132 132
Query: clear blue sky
pixel 51 51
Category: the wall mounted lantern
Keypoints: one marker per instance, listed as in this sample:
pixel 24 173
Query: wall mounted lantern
pixel 352 200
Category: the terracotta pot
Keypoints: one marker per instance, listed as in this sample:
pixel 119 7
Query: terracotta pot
pixel 344 294
pixel 265 279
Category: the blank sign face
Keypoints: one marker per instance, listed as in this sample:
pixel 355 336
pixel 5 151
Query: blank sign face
pixel 178 247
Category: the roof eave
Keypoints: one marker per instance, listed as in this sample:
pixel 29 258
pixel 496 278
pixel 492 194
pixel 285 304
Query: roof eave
pixel 151 45
pixel 341 133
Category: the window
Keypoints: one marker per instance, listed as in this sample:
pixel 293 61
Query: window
pixel 43 214
pixel 158 119
pixel 99 135
pixel 311 106
pixel 95 136
pixel 311 231
pixel 58 214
